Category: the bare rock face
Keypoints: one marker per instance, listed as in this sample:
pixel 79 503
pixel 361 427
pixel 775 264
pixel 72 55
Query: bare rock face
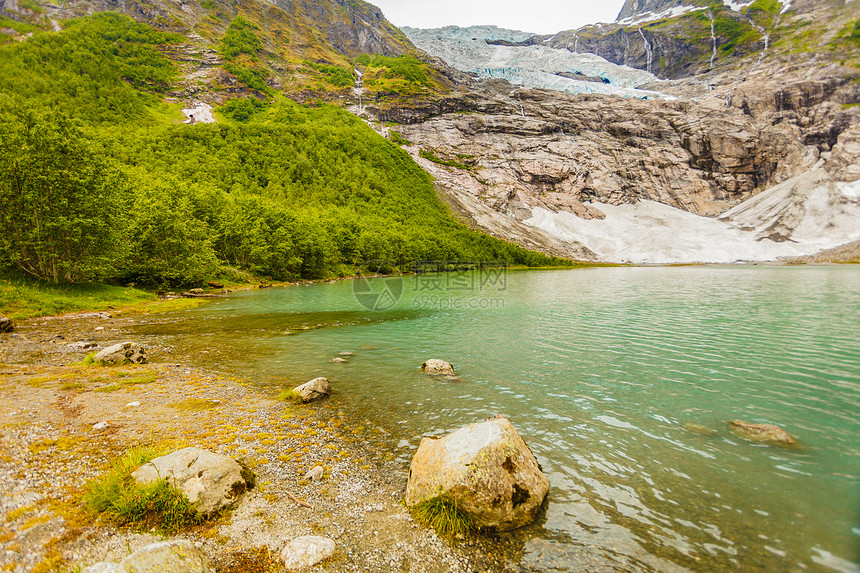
pixel 436 367
pixel 307 551
pixel 763 433
pixel 6 324
pixel 486 469
pixel 122 353
pixel 209 480
pixel 316 389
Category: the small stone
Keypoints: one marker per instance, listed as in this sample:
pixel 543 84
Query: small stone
pixel 306 552
pixel 122 353
pixel 315 474
pixel 178 556
pixel 99 328
pixel 133 405
pixel 316 389
pixel 346 353
pixel 6 324
pixel 83 345
pixel 339 360
pixel 101 426
pixel 197 291
pixel 215 285
pixel 436 367
pixel 104 567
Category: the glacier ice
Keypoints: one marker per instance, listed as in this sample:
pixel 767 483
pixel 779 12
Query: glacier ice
pixel 466 49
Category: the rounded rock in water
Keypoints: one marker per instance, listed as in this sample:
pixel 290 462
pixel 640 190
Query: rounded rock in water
pixel 485 469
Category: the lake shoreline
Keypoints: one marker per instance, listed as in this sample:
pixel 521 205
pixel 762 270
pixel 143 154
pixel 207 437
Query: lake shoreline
pixel 52 401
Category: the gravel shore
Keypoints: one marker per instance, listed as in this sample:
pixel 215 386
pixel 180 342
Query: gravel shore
pixel 50 401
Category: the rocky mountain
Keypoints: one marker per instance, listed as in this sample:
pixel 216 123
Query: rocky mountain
pixel 730 101
pixel 589 173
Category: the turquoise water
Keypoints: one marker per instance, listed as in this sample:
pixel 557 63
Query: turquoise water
pixel 622 381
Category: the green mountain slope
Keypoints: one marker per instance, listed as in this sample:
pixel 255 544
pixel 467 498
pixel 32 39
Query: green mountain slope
pixel 98 179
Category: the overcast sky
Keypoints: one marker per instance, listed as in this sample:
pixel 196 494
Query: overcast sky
pixel 538 16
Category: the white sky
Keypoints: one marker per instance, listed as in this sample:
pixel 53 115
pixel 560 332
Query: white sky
pixel 538 16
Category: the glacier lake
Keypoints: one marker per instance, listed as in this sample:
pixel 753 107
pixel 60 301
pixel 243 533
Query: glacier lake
pixel 622 381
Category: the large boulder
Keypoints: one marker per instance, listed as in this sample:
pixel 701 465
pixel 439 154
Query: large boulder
pixel 6 324
pixel 306 551
pixel 316 389
pixel 122 353
pixel 436 367
pixel 209 480
pixel 763 433
pixel 178 556
pixel 486 469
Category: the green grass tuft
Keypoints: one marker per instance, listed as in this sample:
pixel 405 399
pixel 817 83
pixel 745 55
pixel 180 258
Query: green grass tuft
pixel 290 395
pixel 158 505
pixel 442 514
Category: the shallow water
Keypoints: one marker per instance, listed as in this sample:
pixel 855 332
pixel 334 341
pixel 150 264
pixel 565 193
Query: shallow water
pixel 622 380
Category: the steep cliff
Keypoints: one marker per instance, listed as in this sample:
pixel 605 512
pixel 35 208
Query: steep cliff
pixel 752 120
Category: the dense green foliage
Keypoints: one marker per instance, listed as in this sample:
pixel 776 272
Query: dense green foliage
pixel 59 201
pixel 90 70
pixel 406 67
pixel 119 497
pixel 99 182
pixel 335 75
pixel 240 38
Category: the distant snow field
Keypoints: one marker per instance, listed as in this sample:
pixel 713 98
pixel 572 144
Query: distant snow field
pixel 802 216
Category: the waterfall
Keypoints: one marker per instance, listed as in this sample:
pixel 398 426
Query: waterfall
pixel 647 50
pixel 713 39
pixel 766 37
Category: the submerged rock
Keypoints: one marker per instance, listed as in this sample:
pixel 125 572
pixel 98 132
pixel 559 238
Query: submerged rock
pixel 306 552
pixel 6 324
pixel 436 367
pixel 486 469
pixel 698 429
pixel 167 557
pixel 209 480
pixel 338 360
pixel 763 433
pixel 316 389
pixel 121 353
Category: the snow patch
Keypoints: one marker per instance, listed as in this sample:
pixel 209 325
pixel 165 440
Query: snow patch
pixel 802 216
pixel 200 113
pixel 786 7
pixel 737 5
pixel 664 15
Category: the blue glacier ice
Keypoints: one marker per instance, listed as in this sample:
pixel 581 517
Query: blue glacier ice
pixel 466 49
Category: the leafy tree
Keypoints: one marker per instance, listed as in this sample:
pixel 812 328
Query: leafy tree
pixel 60 203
